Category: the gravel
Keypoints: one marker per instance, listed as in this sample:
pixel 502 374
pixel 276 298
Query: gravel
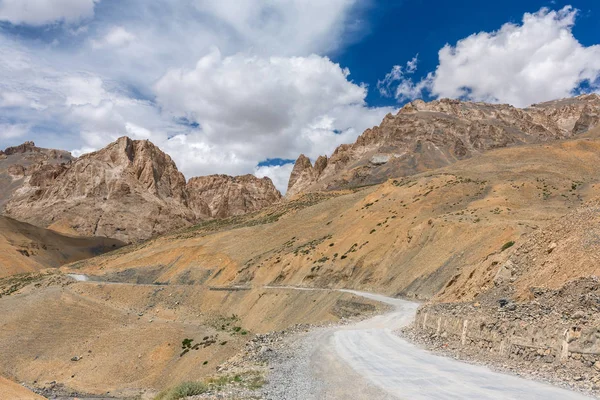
pixel 291 373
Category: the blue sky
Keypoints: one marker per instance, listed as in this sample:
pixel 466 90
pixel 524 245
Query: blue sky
pixel 245 87
pixel 401 29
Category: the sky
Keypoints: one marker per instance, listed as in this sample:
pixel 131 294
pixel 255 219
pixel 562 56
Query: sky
pixel 245 86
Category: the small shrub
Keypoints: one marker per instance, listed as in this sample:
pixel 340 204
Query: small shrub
pixel 182 390
pixel 508 245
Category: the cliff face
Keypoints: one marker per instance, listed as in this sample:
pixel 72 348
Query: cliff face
pixel 130 190
pixel 221 196
pixel 424 136
pixel 20 163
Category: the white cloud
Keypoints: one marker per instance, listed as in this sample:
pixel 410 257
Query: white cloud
pixel 11 131
pixel 257 108
pixel 41 12
pixel 534 61
pixel 397 73
pixel 283 27
pixel 279 174
pixel 139 68
pixel 116 37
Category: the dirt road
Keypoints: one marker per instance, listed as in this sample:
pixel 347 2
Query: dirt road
pixel 395 369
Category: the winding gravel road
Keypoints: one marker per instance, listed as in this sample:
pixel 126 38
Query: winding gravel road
pixel 367 361
pixel 392 368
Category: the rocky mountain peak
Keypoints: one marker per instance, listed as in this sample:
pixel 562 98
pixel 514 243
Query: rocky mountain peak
pixel 220 196
pixel 428 135
pixel 22 148
pixel 302 164
pixel 130 190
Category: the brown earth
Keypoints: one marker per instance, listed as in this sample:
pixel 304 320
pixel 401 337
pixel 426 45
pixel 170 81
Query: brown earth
pixel 12 391
pixel 551 256
pixel 26 248
pixel 425 136
pixel 411 236
pixel 95 338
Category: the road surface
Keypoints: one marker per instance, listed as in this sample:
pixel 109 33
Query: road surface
pixel 401 370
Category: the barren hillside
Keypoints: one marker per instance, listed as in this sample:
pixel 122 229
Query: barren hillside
pixel 95 338
pixel 27 248
pixel 409 236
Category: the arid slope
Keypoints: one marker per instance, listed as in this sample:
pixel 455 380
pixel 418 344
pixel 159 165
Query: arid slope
pixel 95 338
pixel 410 236
pixel 27 248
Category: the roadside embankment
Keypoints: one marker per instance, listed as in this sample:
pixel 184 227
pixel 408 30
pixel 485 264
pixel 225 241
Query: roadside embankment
pixel 554 337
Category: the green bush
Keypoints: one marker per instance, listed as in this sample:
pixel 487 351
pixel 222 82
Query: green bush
pixel 508 245
pixel 182 390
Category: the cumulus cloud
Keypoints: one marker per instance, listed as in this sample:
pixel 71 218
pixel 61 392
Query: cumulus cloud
pixel 251 108
pixel 537 60
pixel 151 70
pixel 117 36
pixel 41 12
pixel 238 96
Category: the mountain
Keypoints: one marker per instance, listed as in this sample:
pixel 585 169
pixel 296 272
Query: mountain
pixel 25 248
pixel 425 136
pixel 130 190
pixel 411 236
pixel 222 196
pixel 21 164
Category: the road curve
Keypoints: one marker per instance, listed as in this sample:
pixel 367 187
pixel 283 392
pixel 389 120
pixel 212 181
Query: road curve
pixel 368 361
pixel 405 371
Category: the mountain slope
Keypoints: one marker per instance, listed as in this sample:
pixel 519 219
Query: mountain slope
pixel 27 248
pixel 409 236
pixel 425 136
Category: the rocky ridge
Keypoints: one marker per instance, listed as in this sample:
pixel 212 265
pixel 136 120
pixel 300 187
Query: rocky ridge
pixel 130 190
pixel 222 196
pixel 424 136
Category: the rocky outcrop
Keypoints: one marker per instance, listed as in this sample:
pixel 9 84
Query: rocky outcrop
pixel 221 196
pixel 18 164
pixel 424 136
pixel 130 190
